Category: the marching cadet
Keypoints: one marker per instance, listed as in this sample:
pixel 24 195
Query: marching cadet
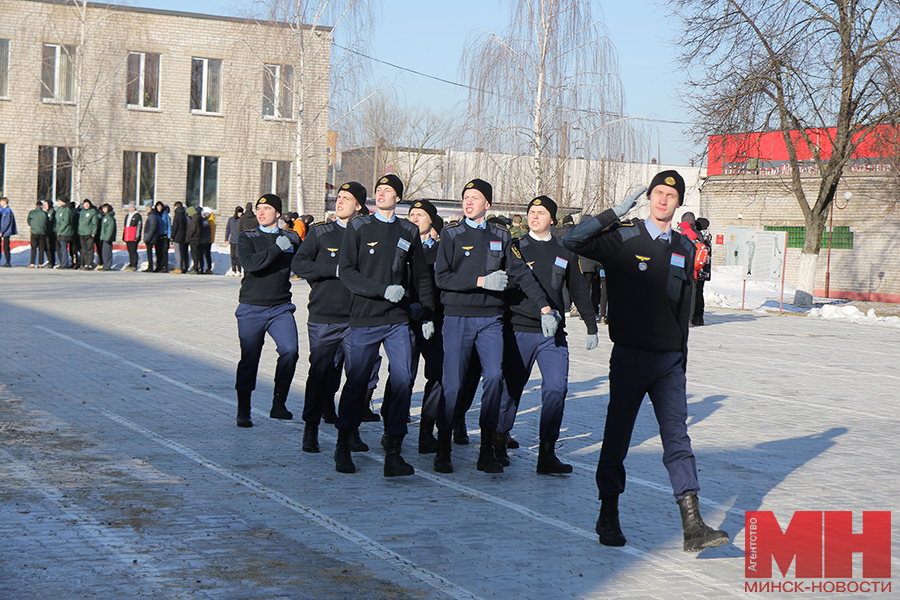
pixel 649 269
pixel 265 306
pixel 329 309
pixel 381 260
pixel 471 271
pixel 556 269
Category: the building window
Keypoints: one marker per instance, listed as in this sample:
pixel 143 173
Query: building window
pixel 278 94
pixel 276 179
pixel 54 173
pixel 4 69
pixel 139 178
pixel 202 181
pixel 142 88
pixel 843 237
pixel 206 85
pixel 58 73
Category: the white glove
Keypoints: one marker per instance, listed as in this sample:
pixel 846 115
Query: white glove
pixel 592 341
pixel 283 242
pixel 427 329
pixel 416 311
pixel 393 293
pixel 549 323
pixel 628 203
pixel 496 281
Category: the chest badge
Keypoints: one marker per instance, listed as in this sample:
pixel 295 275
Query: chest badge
pixel 642 265
pixel 467 248
pixel 333 251
pixel 372 247
pixel 496 246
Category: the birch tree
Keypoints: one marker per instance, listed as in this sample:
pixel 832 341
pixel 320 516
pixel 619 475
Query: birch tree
pixel 551 73
pixel 802 67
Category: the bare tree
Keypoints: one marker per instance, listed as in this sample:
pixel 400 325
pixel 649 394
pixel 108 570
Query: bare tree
pixel 806 68
pixel 409 140
pixel 314 24
pixel 554 71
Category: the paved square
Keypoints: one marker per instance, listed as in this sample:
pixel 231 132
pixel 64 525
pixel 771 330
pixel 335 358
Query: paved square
pixel 124 475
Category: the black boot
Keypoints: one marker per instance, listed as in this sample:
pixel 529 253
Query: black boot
pixel 394 465
pixel 281 393
pixel 427 443
pixel 511 443
pixel 500 453
pixel 311 438
pixel 697 534
pixel 608 522
pixel 460 432
pixel 343 459
pixel 486 460
pixel 368 416
pixel 243 412
pixel 548 463
pixel 442 462
pixel 328 413
pixel 356 443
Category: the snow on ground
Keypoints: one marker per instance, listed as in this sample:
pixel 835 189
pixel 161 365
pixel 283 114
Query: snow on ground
pixel 722 291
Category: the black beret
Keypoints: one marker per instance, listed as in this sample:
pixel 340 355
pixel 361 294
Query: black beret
pixel 271 200
pixel 393 181
pixel 547 203
pixel 482 186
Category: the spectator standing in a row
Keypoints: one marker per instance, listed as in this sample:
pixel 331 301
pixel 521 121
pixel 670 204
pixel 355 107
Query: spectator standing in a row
pixel 163 233
pixel 179 237
pixel 107 236
pixel 232 231
pixel 151 232
pixel 131 235
pixel 66 230
pixel 88 227
pixel 39 222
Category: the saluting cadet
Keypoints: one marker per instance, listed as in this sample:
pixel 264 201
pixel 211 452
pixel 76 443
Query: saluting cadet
pixel 329 308
pixel 472 264
pixel 265 306
pixel 556 269
pixel 649 270
pixel 381 260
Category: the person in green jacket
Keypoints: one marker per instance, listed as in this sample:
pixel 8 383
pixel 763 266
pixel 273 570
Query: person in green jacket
pixel 51 232
pixel 39 224
pixel 107 236
pixel 66 223
pixel 88 224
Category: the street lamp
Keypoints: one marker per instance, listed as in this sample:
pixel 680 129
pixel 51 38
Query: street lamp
pixel 847 196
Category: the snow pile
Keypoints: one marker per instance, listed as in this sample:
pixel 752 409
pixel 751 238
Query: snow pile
pixel 846 312
pixel 725 287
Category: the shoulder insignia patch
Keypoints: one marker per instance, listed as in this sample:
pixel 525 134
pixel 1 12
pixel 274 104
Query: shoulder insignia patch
pixel 516 252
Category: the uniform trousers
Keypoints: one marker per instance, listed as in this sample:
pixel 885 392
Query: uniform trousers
pixel 65 259
pixel 365 343
pixel 521 349
pixel 106 254
pixel 162 254
pixel 38 247
pixel 463 337
pixel 51 249
pixel 329 353
pixel 253 324
pixel 87 251
pixel 632 374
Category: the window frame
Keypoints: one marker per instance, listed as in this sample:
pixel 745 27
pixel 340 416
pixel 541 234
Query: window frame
pixel 202 199
pixel 204 86
pixel 280 88
pixel 139 186
pixel 55 171
pixel 141 80
pixel 4 68
pixel 276 168
pixel 61 51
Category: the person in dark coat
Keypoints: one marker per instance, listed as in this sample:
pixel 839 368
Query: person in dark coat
pixel 206 239
pixel 39 222
pixel 107 236
pixel 247 222
pixel 232 231
pixel 88 228
pixel 132 231
pixel 193 237
pixel 66 223
pixel 151 232
pixel 179 237
pixel 650 268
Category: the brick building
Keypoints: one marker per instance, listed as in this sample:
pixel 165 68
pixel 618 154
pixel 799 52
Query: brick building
pixel 749 186
pixel 143 105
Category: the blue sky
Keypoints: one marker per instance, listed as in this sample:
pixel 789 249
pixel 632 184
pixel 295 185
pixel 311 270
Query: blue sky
pixel 429 36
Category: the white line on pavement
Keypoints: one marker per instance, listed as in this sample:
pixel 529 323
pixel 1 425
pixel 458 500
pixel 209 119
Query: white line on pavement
pixel 646 556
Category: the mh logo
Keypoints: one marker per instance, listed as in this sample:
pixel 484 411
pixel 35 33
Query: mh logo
pixel 821 544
